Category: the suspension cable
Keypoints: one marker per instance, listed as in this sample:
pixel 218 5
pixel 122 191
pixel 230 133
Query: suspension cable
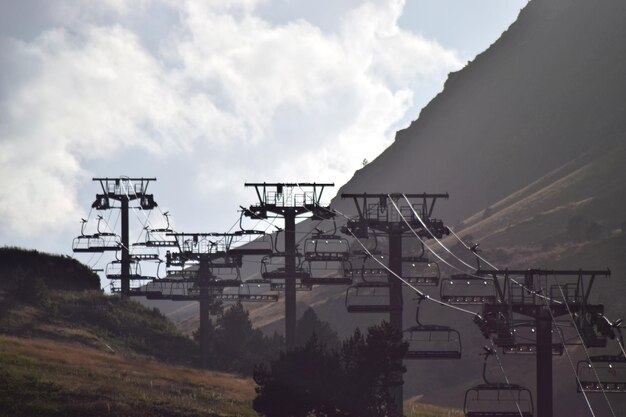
pixel 569 358
pixel 531 291
pixel 506 378
pixel 405 282
pixel 569 311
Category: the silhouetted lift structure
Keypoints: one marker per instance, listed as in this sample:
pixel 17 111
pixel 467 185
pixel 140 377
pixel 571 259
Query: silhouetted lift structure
pixel 497 399
pixel 123 190
pixel 605 373
pixel 273 271
pixel 327 260
pixel 539 297
pixel 99 242
pixel 288 201
pixel 467 289
pixel 376 214
pixel 206 268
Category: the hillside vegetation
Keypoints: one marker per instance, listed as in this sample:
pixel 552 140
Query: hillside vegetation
pixel 77 352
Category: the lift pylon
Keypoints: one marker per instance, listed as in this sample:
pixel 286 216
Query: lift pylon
pixel 288 201
pixel 123 190
pixel 376 212
pixel 543 295
pixel 205 268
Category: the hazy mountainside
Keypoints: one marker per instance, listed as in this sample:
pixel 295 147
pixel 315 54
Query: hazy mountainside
pixel 529 141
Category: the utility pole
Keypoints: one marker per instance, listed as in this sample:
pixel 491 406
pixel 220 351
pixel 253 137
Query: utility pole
pixel 376 212
pixel 542 296
pixel 282 200
pixel 125 190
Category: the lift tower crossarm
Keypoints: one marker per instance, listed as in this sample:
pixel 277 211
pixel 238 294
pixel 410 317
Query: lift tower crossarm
pixel 428 210
pixel 581 289
pixel 261 189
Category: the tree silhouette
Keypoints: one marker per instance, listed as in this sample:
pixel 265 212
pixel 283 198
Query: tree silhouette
pixel 237 346
pixel 310 324
pixel 316 381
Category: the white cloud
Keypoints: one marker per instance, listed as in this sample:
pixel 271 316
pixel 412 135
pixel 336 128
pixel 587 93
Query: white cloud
pixel 237 97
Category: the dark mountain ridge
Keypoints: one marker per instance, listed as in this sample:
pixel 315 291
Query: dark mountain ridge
pixel 548 91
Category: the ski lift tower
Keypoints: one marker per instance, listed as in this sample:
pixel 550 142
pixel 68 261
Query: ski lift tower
pixel 288 201
pixel 199 257
pixel 543 295
pixel 377 212
pixel 124 190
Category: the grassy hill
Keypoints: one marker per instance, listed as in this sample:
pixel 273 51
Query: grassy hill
pixel 58 378
pixel 83 353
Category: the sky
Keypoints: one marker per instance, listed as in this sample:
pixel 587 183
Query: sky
pixel 205 95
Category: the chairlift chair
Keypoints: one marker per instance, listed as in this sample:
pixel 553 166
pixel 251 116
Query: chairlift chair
pixel 605 373
pixel 421 273
pixel 114 271
pixel 273 269
pixel 369 297
pixel 432 341
pixel 249 291
pixel 465 289
pixel 371 268
pixel 145 257
pixel 497 399
pixel 280 286
pixel 251 242
pixel 328 272
pixel 94 244
pixel 160 238
pixel 326 247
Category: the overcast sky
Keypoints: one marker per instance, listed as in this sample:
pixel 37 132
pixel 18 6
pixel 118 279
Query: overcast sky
pixel 208 94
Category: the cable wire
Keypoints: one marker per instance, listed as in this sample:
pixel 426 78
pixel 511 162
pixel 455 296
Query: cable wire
pixel 506 378
pixel 405 282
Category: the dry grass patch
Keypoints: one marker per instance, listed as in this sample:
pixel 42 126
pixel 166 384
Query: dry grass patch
pixel 80 379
